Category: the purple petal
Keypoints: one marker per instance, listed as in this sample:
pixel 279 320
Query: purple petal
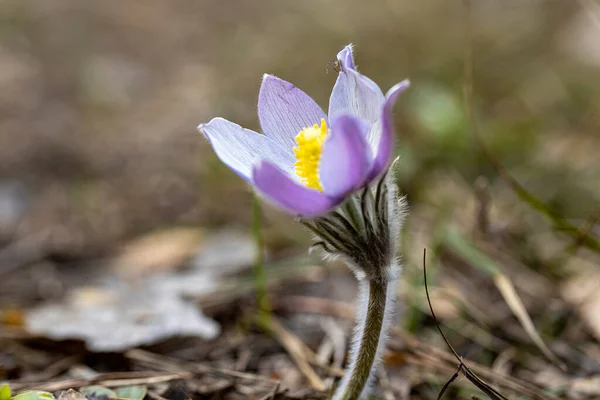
pixel 241 148
pixel 295 198
pixel 385 145
pixel 284 110
pixel 346 58
pixel 357 95
pixel 346 159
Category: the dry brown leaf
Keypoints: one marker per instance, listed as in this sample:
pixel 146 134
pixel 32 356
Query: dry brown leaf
pixel 159 251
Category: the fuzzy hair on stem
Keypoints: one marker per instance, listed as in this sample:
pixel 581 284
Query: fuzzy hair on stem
pixel 364 233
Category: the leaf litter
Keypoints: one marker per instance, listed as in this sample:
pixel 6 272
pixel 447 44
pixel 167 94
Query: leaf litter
pixel 147 301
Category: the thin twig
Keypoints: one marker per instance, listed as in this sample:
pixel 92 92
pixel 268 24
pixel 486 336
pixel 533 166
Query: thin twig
pixel 449 382
pixel 109 380
pixel 483 386
pixel 271 396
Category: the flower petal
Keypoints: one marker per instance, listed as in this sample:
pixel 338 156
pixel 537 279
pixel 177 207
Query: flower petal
pixel 295 198
pixel 346 158
pixel 346 58
pixel 284 110
pixel 240 148
pixel 384 145
pixel 354 93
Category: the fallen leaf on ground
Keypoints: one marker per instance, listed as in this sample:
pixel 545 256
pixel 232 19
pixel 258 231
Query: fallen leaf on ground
pixel 120 315
pixel 124 318
pixel 159 251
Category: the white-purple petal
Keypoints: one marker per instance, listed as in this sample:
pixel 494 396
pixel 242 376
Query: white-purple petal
pixel 385 145
pixel 281 190
pixel 346 159
pixel 357 95
pixel 241 148
pixel 346 58
pixel 284 110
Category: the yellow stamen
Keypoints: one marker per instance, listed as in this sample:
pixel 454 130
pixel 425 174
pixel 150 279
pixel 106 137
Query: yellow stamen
pixel 308 154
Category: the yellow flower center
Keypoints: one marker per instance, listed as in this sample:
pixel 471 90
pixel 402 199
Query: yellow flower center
pixel 308 154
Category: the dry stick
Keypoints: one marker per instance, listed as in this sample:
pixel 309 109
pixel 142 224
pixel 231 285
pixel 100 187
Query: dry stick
pixel 452 379
pixel 587 240
pixel 313 358
pixel 112 379
pixel 295 348
pixel 176 365
pixel 471 376
pixel 54 369
pixel 271 396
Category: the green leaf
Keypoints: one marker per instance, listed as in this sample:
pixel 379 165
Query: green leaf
pixel 97 390
pixel 5 392
pixel 132 392
pixel 34 395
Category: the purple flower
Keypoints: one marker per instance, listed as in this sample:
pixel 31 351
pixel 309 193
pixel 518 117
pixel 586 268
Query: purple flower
pixel 308 162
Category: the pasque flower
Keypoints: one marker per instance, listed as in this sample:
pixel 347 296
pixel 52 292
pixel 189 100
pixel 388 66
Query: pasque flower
pixel 308 162
pixel 333 172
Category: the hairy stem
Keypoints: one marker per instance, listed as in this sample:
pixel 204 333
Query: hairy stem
pixel 368 340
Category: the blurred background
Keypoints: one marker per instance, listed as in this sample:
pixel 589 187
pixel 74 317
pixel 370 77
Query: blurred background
pixel 103 177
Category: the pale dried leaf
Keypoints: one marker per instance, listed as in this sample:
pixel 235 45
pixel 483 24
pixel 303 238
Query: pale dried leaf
pixel 514 302
pixel 124 318
pixel 157 252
